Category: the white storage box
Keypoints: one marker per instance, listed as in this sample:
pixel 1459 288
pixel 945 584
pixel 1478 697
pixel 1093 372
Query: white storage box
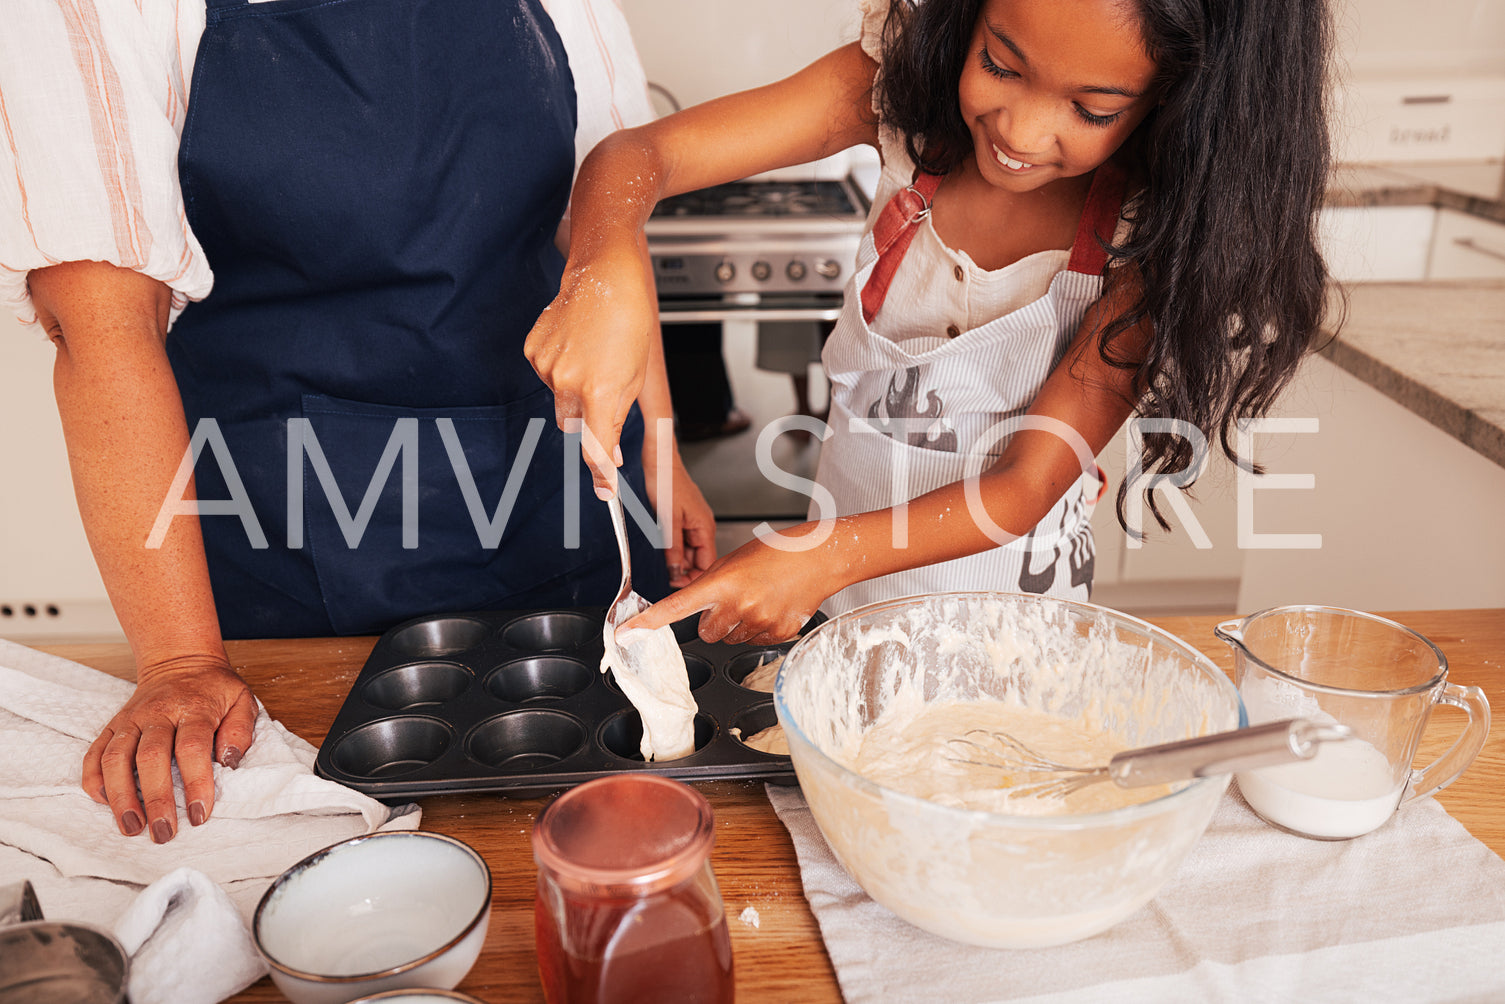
pixel 1419 120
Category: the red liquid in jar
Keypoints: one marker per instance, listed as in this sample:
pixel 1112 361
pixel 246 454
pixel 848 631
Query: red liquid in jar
pixel 627 910
pixel 654 951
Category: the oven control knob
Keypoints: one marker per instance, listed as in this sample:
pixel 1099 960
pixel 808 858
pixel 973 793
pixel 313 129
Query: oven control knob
pixel 795 270
pixel 761 270
pixel 725 272
pixel 827 268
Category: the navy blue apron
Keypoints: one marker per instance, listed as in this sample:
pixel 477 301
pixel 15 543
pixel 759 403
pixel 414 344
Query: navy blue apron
pixel 376 185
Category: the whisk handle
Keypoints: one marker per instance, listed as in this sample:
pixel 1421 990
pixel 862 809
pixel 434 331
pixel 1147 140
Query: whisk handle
pixel 1264 745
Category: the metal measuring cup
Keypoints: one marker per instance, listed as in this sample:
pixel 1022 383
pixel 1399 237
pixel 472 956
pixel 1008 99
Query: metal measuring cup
pixel 45 961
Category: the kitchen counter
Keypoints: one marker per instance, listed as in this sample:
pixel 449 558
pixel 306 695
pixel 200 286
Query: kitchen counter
pixel 1436 348
pixel 304 682
pixel 1474 188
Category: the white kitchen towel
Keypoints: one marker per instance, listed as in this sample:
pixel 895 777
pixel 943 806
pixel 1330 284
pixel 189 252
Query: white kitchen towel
pixel 1414 911
pixel 187 942
pixel 269 813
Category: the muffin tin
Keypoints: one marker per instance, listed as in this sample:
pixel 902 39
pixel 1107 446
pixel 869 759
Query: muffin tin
pixel 514 702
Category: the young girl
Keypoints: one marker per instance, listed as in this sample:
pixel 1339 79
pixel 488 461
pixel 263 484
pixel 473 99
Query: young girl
pixel 1088 208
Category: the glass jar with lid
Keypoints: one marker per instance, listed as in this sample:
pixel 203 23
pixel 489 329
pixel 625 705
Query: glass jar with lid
pixel 627 907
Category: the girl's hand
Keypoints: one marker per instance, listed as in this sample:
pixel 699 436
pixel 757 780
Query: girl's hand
pixel 692 533
pixel 758 594
pixel 591 347
pixel 194 713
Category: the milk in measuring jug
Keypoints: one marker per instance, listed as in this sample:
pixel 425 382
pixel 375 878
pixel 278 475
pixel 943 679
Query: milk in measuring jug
pixel 1347 789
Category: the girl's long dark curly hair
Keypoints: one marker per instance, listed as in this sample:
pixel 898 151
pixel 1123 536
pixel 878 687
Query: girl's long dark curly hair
pixel 1229 170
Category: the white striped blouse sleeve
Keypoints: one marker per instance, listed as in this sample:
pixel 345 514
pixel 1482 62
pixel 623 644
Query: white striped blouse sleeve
pixel 92 99
pixel 611 88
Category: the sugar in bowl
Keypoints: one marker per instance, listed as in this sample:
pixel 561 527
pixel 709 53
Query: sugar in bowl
pixel 627 907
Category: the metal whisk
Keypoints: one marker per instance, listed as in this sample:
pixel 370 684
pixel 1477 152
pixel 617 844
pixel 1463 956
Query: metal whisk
pixel 1266 745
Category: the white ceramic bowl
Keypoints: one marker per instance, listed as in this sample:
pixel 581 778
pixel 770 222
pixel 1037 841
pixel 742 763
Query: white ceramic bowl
pixel 379 912
pixel 987 878
pixel 417 996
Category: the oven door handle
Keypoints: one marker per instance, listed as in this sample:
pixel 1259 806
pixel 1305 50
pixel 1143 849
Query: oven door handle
pixel 723 314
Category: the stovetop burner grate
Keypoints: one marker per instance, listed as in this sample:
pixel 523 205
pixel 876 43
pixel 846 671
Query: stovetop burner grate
pixel 765 237
pixel 763 198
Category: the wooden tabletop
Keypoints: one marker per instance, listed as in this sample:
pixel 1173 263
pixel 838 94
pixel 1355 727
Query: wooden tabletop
pixel 303 683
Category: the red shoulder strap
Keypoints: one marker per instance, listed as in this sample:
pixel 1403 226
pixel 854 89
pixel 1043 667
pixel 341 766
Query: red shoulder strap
pixel 896 225
pixel 1105 201
pixel 892 233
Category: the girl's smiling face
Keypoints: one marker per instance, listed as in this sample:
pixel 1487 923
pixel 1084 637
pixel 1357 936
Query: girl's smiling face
pixel 1053 87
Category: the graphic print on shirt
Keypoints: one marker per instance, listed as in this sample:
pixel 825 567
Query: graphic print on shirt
pixel 1081 557
pixel 898 413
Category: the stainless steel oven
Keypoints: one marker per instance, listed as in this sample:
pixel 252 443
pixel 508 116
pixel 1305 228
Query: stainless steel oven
pixel 770 248
pixel 764 259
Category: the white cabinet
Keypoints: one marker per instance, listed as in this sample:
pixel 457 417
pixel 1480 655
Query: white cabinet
pixel 1364 504
pixel 1193 567
pixel 49 587
pixel 1467 247
pixel 1376 243
pixel 1409 244
pixel 1409 518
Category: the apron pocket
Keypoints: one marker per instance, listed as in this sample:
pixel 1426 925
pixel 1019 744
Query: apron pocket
pixel 406 511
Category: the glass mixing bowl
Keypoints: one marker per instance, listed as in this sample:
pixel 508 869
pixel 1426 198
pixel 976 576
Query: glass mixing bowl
pixel 989 878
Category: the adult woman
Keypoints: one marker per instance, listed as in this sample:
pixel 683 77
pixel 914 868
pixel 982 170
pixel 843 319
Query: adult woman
pixel 377 185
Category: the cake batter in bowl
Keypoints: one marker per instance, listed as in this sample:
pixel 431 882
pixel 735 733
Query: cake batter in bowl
pixel 962 860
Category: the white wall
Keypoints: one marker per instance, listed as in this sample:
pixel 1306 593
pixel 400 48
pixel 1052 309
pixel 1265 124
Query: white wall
pixel 702 49
pixel 45 563
pixel 1386 38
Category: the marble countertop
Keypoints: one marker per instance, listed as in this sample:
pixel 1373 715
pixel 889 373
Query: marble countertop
pixel 1435 347
pixel 1474 188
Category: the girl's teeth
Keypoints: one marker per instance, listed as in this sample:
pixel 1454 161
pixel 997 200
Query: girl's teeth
pixel 1009 162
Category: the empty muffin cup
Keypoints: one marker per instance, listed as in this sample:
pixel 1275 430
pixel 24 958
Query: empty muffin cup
pixel 392 746
pixel 416 685
pixel 439 636
pixel 525 740
pixel 539 677
pixel 551 632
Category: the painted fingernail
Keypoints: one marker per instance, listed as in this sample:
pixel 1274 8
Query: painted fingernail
pixel 131 823
pixel 616 455
pixel 196 814
pixel 161 831
pixel 604 494
pixel 230 757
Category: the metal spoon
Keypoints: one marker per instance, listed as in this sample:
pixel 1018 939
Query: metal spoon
pixel 628 604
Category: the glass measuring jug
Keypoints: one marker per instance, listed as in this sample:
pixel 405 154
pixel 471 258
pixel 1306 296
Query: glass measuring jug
pixel 1377 677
